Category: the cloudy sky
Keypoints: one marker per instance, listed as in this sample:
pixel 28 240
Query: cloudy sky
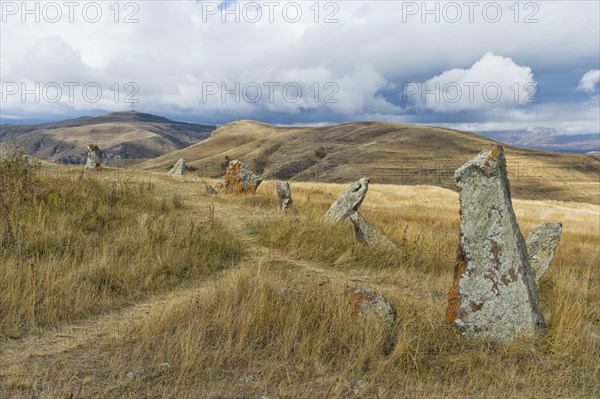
pixel 473 65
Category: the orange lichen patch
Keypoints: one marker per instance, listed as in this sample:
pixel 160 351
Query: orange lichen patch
pixel 232 180
pixel 239 180
pixel 453 299
pixel 358 297
pixel 495 150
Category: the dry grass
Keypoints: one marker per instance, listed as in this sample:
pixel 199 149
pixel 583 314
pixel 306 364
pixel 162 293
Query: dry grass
pixel 309 344
pixel 76 246
pixel 282 326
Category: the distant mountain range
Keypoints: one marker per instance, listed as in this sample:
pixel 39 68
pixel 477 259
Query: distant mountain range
pixel 121 136
pixel 548 140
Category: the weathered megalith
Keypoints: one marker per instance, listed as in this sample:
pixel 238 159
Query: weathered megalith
pixel 494 292
pixel 350 200
pixel 94 157
pixel 240 180
pixel 367 301
pixel 541 243
pixel 366 234
pixel 284 193
pixel 178 169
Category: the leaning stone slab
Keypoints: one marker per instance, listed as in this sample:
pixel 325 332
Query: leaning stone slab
pixel 367 301
pixel 284 193
pixel 494 293
pixel 240 180
pixel 178 169
pixel 349 200
pixel 94 157
pixel 368 235
pixel 541 243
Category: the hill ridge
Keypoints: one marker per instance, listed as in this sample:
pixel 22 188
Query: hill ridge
pixel 387 152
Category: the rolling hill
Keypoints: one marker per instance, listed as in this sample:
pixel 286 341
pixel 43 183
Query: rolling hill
pixel 389 153
pixel 121 136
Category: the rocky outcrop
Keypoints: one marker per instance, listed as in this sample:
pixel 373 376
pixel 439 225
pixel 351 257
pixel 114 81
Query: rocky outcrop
pixel 178 169
pixel 494 292
pixel 240 180
pixel 541 243
pixel 284 194
pixel 367 301
pixel 368 235
pixel 349 201
pixel 94 157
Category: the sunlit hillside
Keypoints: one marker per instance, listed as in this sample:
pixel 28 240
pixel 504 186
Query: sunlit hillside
pixel 390 153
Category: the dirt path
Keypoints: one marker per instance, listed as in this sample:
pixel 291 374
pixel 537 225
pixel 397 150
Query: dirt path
pixel 18 357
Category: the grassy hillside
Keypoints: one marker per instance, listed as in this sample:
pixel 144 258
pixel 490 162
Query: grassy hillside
pixel 120 135
pixel 388 153
pixel 255 302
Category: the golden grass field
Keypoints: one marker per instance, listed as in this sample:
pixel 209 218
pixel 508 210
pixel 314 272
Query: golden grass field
pixel 129 284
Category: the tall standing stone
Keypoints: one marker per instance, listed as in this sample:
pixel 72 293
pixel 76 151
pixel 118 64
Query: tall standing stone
pixel 494 293
pixel 284 193
pixel 178 169
pixel 240 179
pixel 349 201
pixel 94 157
pixel 541 243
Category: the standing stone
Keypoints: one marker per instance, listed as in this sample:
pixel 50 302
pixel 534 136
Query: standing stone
pixel 349 200
pixel 240 180
pixel 494 293
pixel 541 243
pixel 94 157
pixel 284 193
pixel 178 169
pixel 368 235
pixel 366 301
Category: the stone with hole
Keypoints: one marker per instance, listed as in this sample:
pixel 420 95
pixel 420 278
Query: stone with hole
pixel 494 293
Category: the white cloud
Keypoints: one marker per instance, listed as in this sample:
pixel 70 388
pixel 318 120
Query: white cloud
pixel 175 48
pixel 493 81
pixel 589 81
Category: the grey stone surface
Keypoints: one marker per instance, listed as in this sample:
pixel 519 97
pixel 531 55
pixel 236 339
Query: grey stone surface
pixel 366 301
pixel 494 293
pixel 94 157
pixel 541 244
pixel 284 193
pixel 239 179
pixel 178 169
pixel 349 200
pixel 367 234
